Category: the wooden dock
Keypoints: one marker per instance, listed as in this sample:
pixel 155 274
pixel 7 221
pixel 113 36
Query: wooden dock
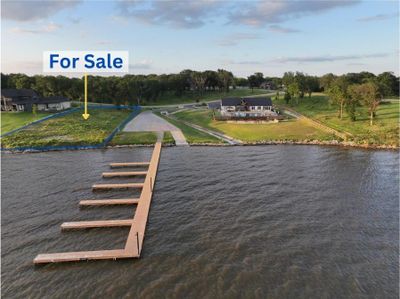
pixel 134 243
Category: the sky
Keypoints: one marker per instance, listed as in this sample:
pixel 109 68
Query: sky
pixel 272 37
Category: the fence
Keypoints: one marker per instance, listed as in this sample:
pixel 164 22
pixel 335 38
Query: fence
pixel 135 112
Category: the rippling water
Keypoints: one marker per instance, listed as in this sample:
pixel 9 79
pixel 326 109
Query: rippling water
pixel 232 222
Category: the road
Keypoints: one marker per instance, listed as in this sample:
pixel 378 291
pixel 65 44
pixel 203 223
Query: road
pixel 148 122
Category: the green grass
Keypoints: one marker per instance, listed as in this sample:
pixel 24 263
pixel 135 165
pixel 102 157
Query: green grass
pixel 192 135
pixel 287 130
pixel 14 120
pixel 168 139
pixel 140 138
pixel 169 99
pixel 71 129
pixel 384 131
pixel 128 138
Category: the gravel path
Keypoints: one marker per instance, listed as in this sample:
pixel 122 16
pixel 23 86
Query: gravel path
pixel 149 122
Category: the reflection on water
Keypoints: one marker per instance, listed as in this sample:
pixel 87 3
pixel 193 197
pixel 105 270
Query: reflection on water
pixel 237 222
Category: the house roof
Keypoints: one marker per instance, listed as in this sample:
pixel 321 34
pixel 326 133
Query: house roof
pixel 29 96
pixel 260 101
pixel 231 101
pixel 52 99
pixel 14 93
pixel 214 105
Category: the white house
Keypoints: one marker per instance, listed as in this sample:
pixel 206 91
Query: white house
pixel 53 103
pixel 247 107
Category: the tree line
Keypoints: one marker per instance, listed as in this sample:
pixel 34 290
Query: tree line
pixel 129 89
pixel 347 91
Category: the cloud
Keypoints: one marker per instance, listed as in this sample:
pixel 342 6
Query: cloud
pixel 194 14
pixel 178 14
pixel 49 28
pixel 356 64
pixel 280 29
pixel 242 62
pixel 378 17
pixel 24 11
pixel 262 13
pixel 143 64
pixel 327 58
pixel 235 38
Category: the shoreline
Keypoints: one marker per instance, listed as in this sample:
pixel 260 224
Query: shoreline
pixel 259 143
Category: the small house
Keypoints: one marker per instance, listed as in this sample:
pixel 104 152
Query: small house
pixel 18 99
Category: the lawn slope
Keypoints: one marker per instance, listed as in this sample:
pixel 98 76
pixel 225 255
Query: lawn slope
pixel 70 129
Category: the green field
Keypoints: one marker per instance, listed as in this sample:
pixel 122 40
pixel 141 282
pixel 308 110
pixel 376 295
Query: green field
pixel 142 138
pixel 192 135
pixel 14 120
pixel 292 129
pixel 385 129
pixel 169 99
pixel 71 129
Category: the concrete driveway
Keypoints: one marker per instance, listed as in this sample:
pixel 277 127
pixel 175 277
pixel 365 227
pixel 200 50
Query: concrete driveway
pixel 149 122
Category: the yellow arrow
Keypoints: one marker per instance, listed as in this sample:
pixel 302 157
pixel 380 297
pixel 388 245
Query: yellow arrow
pixel 86 114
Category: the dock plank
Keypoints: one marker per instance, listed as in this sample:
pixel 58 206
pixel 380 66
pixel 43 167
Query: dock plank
pixel 82 256
pixel 116 186
pixel 123 174
pixel 129 164
pixel 107 202
pixel 96 223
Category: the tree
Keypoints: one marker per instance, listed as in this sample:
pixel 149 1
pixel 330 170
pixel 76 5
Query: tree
pixel 288 78
pixel 300 79
pixel 311 85
pixel 255 80
pixel 277 95
pixel 326 80
pixel 242 82
pixel 388 83
pixel 294 91
pixel 287 97
pixel 199 81
pixel 353 101
pixel 370 96
pixel 225 78
pixel 338 93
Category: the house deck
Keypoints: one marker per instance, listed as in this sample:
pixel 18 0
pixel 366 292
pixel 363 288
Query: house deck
pixel 134 242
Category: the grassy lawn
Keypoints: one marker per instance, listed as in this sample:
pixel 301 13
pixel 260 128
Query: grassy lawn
pixel 192 135
pixel 168 99
pixel 128 138
pixel 70 129
pixel 385 129
pixel 14 120
pixel 288 130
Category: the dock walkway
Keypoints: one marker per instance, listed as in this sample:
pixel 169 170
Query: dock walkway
pixel 134 242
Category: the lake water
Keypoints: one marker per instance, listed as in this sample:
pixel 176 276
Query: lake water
pixel 225 222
